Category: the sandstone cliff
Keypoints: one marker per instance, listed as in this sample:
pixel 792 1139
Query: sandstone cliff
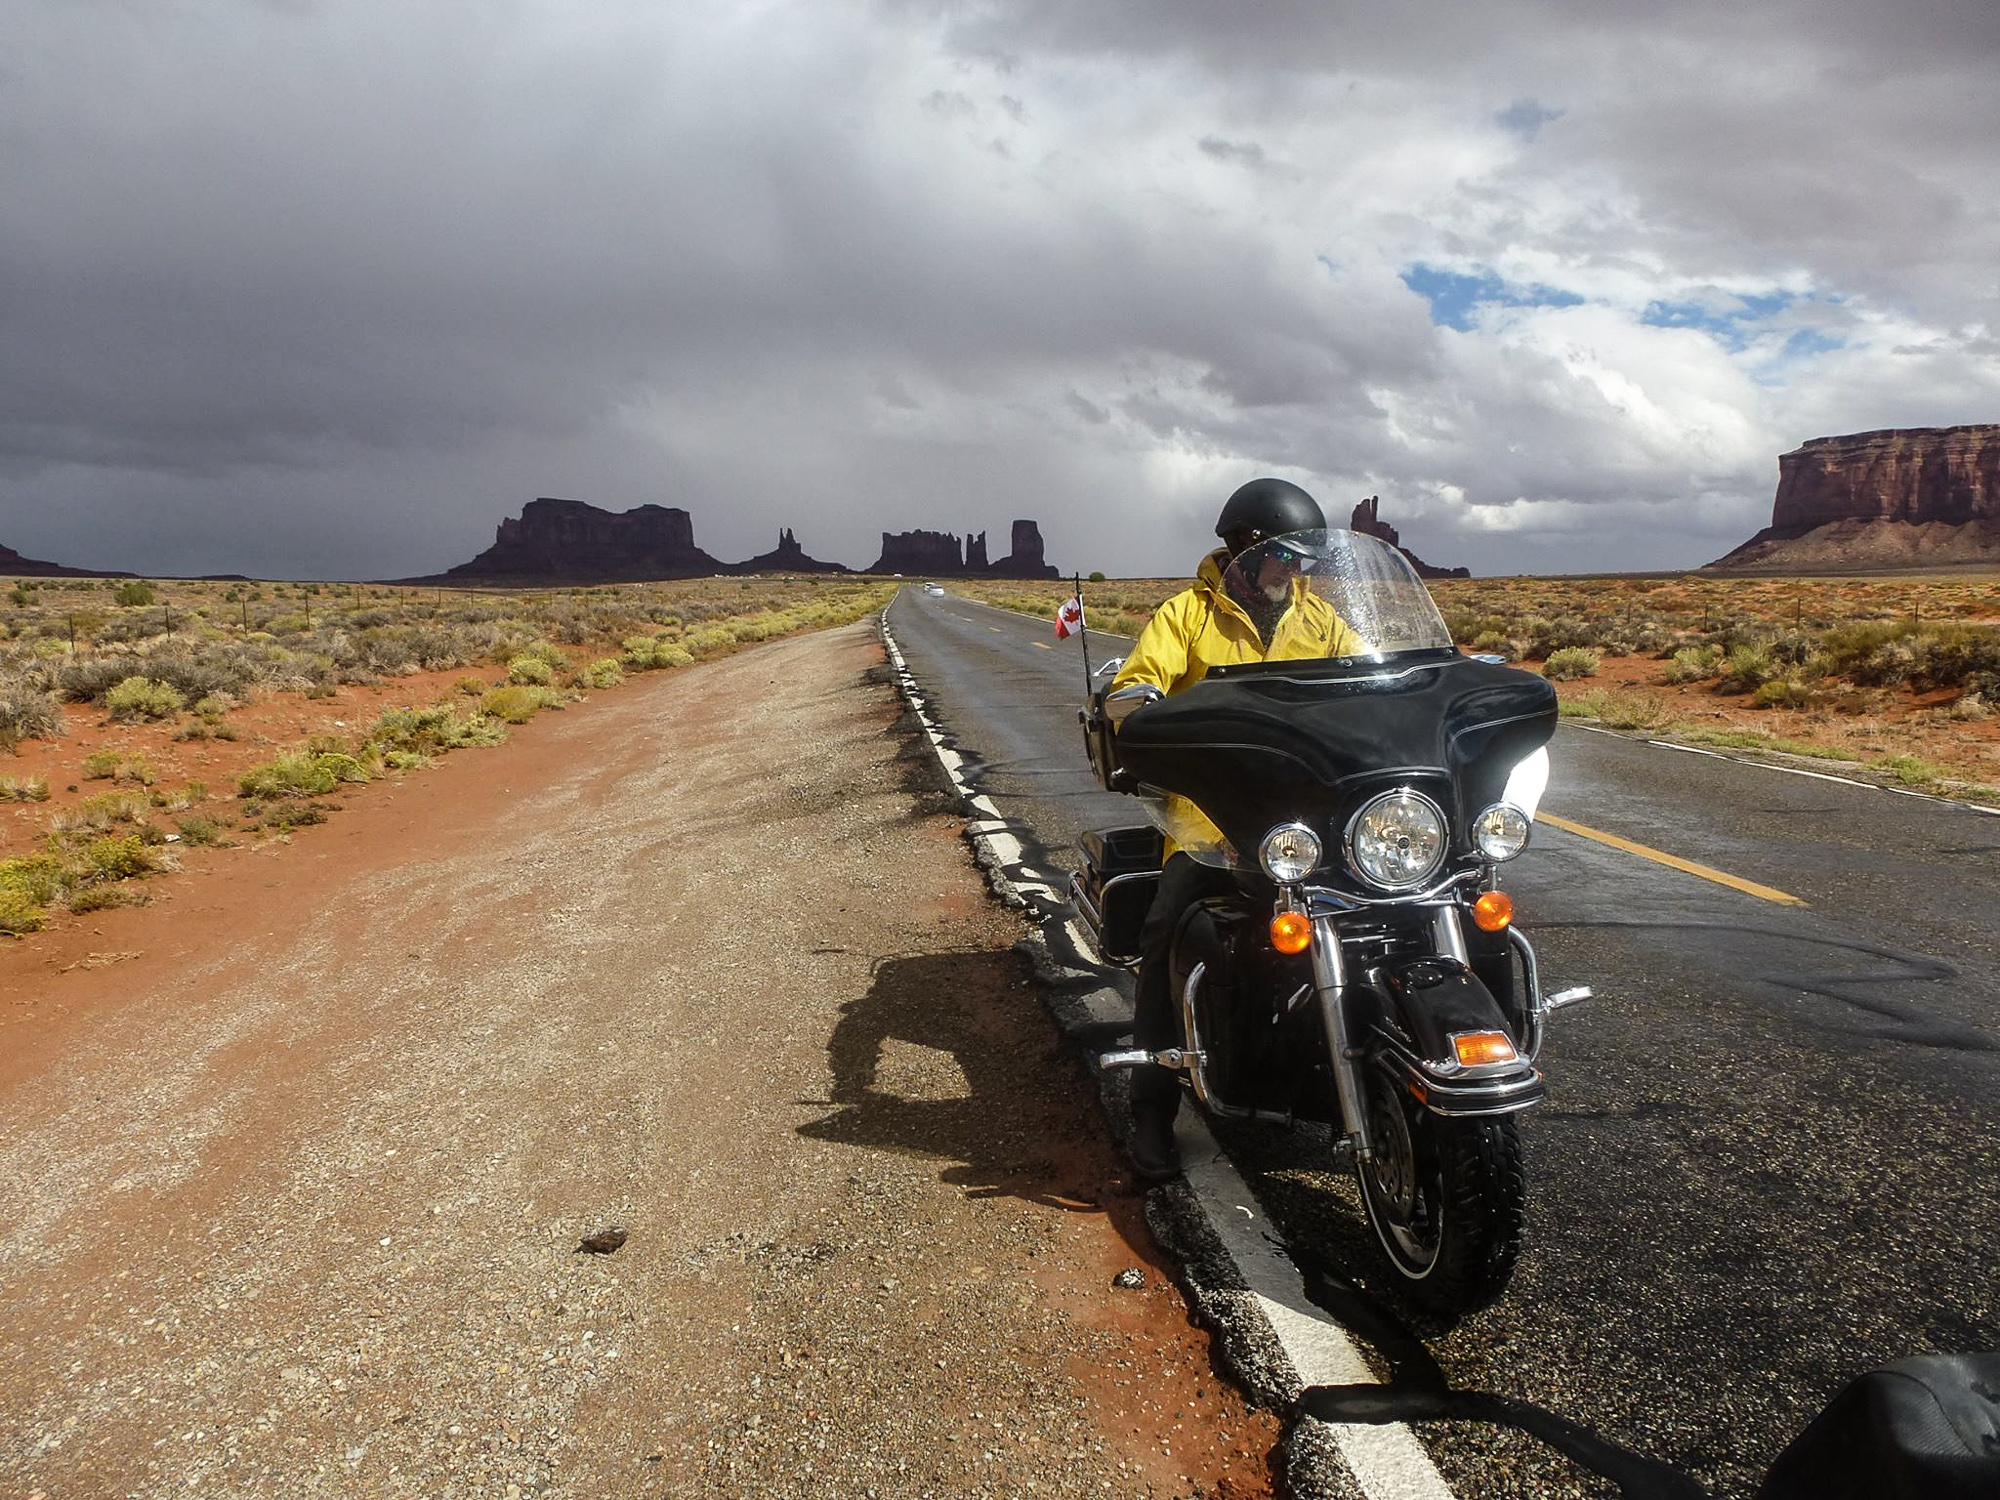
pixel 1898 498
pixel 1367 518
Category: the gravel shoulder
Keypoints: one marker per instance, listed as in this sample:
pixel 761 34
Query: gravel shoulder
pixel 295 1162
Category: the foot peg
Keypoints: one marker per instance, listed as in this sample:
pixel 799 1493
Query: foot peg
pixel 1562 998
pixel 1138 1057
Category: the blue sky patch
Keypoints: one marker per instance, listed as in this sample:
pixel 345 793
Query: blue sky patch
pixel 1455 297
pixel 1525 118
pixel 1733 320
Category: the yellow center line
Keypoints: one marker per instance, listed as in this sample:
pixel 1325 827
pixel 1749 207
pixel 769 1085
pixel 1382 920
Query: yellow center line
pixel 1720 877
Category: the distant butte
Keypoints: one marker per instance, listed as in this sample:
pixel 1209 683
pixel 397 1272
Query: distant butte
pixel 936 554
pixel 1368 520
pixel 1885 501
pixel 568 542
pixel 787 557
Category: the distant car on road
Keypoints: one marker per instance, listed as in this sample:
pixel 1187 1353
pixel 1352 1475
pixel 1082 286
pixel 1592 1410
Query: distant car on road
pixel 934 588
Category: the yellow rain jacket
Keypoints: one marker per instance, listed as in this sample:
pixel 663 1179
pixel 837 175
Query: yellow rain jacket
pixel 1202 627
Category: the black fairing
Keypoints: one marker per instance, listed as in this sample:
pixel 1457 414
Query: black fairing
pixel 1256 745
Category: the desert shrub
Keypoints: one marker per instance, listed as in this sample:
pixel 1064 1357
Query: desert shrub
pixel 1851 650
pixel 1956 654
pixel 1615 710
pixel 27 713
pixel 142 698
pixel 213 705
pixel 1967 709
pixel 122 857
pixel 529 671
pixel 1545 637
pixel 516 703
pixel 286 816
pixel 86 679
pixel 20 913
pixel 646 653
pixel 91 898
pixel 1748 668
pixel 139 771
pixel 433 729
pixel 134 594
pixel 1785 692
pixel 198 830
pixel 1571 662
pixel 300 775
pixel 33 788
pixel 708 640
pixel 547 652
pixel 603 673
pixel 101 765
pixel 39 878
pixel 471 687
pixel 100 813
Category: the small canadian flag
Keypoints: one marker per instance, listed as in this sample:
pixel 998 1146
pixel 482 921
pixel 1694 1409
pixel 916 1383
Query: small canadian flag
pixel 1069 619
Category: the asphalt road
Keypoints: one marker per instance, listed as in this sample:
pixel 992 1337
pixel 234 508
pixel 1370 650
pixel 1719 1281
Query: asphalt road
pixel 1771 1155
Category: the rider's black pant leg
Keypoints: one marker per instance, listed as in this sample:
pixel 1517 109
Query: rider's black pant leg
pixel 1183 882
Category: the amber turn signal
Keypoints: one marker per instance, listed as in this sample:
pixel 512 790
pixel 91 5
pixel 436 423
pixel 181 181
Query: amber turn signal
pixel 1493 911
pixel 1476 1047
pixel 1291 932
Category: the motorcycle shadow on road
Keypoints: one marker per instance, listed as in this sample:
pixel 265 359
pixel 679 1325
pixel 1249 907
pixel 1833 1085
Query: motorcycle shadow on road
pixel 951 1056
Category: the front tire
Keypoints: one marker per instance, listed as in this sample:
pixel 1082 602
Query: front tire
pixel 1447 1198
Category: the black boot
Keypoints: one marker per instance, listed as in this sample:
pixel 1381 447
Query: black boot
pixel 1156 1099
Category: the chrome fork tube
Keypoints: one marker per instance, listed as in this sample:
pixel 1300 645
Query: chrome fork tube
pixel 1448 935
pixel 1330 983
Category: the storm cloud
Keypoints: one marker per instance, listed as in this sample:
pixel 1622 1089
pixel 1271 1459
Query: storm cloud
pixel 327 290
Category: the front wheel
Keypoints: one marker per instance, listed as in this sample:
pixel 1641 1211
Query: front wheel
pixel 1447 1198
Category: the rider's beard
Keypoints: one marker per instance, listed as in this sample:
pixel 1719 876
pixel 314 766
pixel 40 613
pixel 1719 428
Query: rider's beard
pixel 1278 591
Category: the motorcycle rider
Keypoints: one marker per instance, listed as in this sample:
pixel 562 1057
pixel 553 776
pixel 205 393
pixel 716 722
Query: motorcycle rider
pixel 1223 620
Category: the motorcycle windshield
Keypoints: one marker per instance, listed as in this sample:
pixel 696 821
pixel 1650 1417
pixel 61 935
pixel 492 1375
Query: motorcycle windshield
pixel 1360 688
pixel 1335 595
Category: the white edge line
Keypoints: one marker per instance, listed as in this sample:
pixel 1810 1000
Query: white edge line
pixel 1387 1460
pixel 1765 765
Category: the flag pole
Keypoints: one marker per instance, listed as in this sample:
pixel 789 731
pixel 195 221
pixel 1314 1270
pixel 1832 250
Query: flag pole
pixel 1082 630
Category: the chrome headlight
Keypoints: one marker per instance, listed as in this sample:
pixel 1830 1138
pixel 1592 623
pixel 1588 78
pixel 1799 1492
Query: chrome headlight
pixel 1289 853
pixel 1501 832
pixel 1397 840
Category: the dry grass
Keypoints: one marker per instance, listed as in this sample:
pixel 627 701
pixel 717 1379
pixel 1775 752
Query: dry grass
pixel 168 664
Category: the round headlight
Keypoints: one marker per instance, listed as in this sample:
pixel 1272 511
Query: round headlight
pixel 1289 853
pixel 1501 832
pixel 1396 841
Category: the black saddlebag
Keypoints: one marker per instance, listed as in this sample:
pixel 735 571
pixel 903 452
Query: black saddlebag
pixel 1926 1428
pixel 1114 889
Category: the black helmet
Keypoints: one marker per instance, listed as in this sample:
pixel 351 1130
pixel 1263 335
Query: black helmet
pixel 1268 507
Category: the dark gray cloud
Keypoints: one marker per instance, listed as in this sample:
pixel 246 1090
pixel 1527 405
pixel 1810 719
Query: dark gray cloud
pixel 329 290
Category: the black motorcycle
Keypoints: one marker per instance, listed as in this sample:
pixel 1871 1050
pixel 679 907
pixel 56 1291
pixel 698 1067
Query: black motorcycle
pixel 1360 967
